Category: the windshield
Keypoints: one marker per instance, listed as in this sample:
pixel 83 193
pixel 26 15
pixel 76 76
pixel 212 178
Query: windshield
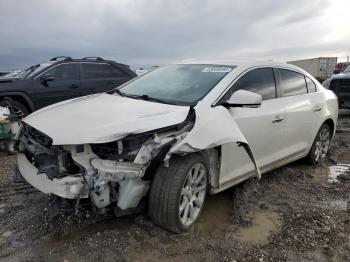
pixel 347 69
pixel 35 69
pixel 177 84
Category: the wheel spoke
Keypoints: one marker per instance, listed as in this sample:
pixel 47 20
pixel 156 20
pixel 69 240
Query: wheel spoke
pixel 199 177
pixel 195 172
pixel 191 212
pixel 184 192
pixel 197 202
pixel 186 211
pixel 183 204
pixel 199 188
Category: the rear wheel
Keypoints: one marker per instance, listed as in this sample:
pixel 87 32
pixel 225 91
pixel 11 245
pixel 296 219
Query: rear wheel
pixel 178 193
pixel 320 146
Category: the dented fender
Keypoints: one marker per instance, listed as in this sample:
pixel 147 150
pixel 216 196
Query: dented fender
pixel 213 127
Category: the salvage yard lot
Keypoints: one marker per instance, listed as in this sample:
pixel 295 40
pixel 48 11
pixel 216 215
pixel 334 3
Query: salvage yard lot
pixel 297 212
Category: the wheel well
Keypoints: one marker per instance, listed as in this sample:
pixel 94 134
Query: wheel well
pixel 19 99
pixel 330 123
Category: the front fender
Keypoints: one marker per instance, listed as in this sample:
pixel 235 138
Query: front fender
pixel 213 127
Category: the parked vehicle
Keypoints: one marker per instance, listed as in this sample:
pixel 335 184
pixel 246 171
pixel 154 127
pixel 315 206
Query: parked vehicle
pixel 321 67
pixel 60 79
pixel 175 134
pixel 340 67
pixel 340 85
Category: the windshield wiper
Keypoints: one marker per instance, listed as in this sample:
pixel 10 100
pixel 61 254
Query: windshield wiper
pixel 119 92
pixel 143 97
pixel 149 98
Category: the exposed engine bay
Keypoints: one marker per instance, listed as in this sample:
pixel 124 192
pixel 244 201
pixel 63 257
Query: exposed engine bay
pixel 117 172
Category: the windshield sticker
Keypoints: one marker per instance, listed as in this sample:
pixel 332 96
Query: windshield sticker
pixel 217 69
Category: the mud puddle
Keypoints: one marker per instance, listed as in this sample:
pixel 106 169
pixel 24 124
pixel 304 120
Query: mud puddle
pixel 332 174
pixel 119 224
pixel 263 224
pixel 216 219
pixel 216 216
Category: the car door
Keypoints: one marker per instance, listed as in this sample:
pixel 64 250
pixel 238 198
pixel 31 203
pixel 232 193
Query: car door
pixel 300 122
pixel 63 84
pixel 263 127
pixel 101 77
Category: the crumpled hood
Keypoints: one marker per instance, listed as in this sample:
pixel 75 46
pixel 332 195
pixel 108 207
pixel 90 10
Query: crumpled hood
pixel 103 118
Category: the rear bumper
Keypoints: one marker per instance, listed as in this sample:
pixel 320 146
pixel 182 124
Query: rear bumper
pixel 70 187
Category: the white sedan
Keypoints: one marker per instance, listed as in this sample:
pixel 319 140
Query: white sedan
pixel 173 135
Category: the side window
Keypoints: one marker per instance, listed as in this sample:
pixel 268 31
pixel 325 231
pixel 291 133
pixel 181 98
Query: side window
pixel 292 83
pixel 93 70
pixel 311 86
pixel 64 72
pixel 261 81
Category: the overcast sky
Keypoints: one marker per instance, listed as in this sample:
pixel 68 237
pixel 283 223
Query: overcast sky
pixel 156 32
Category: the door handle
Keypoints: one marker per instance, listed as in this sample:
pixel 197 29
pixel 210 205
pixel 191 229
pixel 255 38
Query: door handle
pixel 74 86
pixel 317 108
pixel 278 119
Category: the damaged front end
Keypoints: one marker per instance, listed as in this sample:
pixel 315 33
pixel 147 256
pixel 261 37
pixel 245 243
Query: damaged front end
pixel 116 173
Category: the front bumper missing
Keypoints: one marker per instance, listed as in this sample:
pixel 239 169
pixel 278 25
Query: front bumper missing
pixel 70 187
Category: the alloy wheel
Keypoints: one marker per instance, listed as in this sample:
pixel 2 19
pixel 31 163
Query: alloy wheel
pixel 193 194
pixel 322 144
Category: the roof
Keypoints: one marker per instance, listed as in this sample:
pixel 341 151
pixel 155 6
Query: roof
pixel 242 63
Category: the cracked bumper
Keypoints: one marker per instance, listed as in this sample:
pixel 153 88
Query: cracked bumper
pixel 67 187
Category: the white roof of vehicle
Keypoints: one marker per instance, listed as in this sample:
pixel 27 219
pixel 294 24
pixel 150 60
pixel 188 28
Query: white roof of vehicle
pixel 242 63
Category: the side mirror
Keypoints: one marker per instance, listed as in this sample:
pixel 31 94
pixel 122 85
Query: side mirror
pixel 243 98
pixel 336 71
pixel 45 79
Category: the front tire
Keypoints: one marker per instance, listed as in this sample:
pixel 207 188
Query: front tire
pixel 320 146
pixel 178 193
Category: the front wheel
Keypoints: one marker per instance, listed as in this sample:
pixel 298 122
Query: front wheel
pixel 178 193
pixel 320 146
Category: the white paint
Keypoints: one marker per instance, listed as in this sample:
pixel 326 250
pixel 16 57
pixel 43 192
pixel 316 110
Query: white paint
pixel 103 118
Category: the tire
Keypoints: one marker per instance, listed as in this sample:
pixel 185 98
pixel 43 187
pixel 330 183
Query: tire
pixel 177 189
pixel 320 146
pixel 15 106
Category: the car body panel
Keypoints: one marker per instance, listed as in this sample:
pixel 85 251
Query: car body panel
pixel 79 121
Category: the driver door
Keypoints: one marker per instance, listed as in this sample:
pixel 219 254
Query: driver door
pixel 263 128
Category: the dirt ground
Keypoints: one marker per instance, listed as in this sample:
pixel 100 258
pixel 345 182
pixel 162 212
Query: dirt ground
pixel 296 213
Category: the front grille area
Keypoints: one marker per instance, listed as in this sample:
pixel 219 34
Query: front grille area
pixel 344 85
pixel 340 85
pixel 52 160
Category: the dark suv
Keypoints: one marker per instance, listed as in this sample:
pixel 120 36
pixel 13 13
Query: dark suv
pixel 340 85
pixel 60 79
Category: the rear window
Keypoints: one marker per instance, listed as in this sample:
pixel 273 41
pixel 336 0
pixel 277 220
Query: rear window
pixel 292 83
pixel 311 86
